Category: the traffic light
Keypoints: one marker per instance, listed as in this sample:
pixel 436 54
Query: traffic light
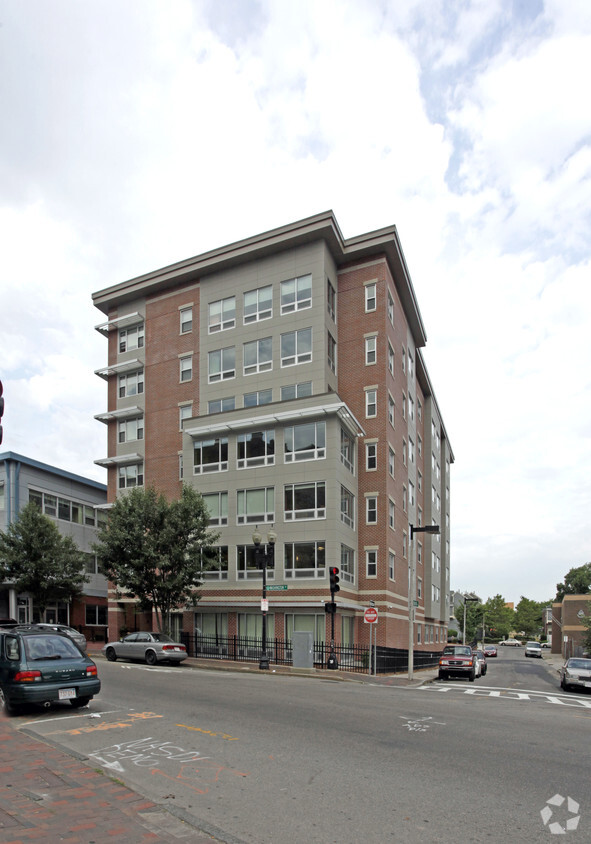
pixel 1 410
pixel 334 579
pixel 330 607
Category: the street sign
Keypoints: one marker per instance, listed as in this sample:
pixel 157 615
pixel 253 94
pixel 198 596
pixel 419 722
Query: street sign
pixel 370 616
pixel 275 588
pixel 264 605
pixel 416 603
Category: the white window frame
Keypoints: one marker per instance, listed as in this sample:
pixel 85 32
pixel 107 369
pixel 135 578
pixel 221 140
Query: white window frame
pixel 290 553
pixel 244 441
pixel 221 465
pixel 301 514
pixel 371 297
pixel 371 403
pixel 371 562
pixel 348 514
pixel 131 338
pixel 130 380
pixel 131 475
pixel 371 350
pixel 391 514
pixel 226 370
pixel 299 338
pixel 371 509
pixel 220 511
pixel 224 321
pixel 300 301
pixel 263 355
pixel 186 319
pixel 131 430
pixel 318 438
pixel 262 310
pixel 185 368
pixel 248 514
pixel 371 457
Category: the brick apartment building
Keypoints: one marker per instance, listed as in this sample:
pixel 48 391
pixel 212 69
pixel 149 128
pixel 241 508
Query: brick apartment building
pixel 76 505
pixel 282 376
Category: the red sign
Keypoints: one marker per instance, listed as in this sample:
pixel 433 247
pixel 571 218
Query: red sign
pixel 370 616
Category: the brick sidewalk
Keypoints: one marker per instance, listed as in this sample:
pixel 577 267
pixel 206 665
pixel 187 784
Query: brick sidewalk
pixel 48 796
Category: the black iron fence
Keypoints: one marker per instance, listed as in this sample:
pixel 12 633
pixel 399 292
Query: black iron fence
pixel 279 651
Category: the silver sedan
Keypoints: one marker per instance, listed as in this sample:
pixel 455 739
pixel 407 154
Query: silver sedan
pixel 150 647
pixel 576 672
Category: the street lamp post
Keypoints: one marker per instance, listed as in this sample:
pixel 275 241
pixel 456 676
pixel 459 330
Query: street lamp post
pixel 262 560
pixel 466 600
pixel 412 588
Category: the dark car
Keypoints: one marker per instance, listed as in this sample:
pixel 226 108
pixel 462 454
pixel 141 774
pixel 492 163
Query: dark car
pixel 77 637
pixel 150 647
pixel 490 650
pixel 38 667
pixel 458 661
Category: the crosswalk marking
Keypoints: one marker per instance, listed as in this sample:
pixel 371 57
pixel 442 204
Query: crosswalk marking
pixel 510 694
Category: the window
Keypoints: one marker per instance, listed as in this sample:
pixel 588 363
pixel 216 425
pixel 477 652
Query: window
pixel 222 314
pixel 131 384
pixel 403 406
pixel 371 456
pixel 89 515
pixel 419 410
pixel 390 410
pixel 221 405
pixel 391 565
pixel 391 461
pixel 258 304
pixel 332 353
pixel 305 442
pixel 390 359
pixel 347 507
pixel 296 294
pixel 411 365
pixel 331 301
pixel 370 297
pixel 221 364
pixel 217 506
pixel 247 567
pixel 305 501
pixel 391 514
pixel 296 347
pixel 419 588
pixel 403 360
pixel 371 563
pixel 347 450
pixel 96 616
pixel 390 308
pixel 411 408
pixel 186 317
pixel 371 403
pixel 257 448
pixel 411 450
pixel 257 398
pixel 215 567
pixel 420 447
pixel 131 338
pixel 186 368
pixel 131 430
pixel 411 493
pixel 210 455
pixel 64 508
pixel 255 505
pixel 181 468
pixel 404 499
pixel 296 391
pixel 404 453
pixel 2 496
pixel 420 481
pixel 258 356
pixel 371 509
pixel 370 350
pixel 305 559
pixel 131 476
pixel 347 564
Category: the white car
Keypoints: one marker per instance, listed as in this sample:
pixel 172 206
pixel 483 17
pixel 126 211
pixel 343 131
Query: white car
pixel 533 649
pixel 576 671
pixel 512 643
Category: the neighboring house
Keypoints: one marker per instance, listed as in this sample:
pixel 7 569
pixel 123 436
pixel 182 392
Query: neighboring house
pixel 71 502
pixel 568 630
pixel 283 377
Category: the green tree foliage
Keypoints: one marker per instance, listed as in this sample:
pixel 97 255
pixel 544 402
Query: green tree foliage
pixel 473 619
pixel 587 624
pixel 155 550
pixel 528 616
pixel 577 581
pixel 498 617
pixel 37 559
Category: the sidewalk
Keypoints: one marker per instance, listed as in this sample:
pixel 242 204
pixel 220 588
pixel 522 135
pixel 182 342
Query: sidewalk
pixel 49 796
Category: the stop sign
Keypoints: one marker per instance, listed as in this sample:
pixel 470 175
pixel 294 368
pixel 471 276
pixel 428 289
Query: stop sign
pixel 370 616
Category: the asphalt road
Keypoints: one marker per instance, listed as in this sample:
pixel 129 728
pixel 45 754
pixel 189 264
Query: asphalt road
pixel 266 758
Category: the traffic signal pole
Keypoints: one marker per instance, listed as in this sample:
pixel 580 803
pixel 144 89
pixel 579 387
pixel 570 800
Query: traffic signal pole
pixel 332 661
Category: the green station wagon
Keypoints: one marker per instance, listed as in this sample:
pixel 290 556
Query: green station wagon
pixel 43 668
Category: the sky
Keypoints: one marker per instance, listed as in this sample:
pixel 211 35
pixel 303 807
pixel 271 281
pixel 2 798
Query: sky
pixel 135 134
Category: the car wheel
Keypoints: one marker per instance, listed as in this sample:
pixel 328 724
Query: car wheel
pixel 472 676
pixel 151 658
pixel 5 706
pixel 442 675
pixel 110 654
pixel 77 702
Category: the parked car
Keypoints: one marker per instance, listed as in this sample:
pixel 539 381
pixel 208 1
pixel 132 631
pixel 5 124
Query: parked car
pixel 458 661
pixel 511 643
pixel 490 650
pixel 77 637
pixel 150 647
pixel 43 667
pixel 576 672
pixel 546 644
pixel 482 660
pixel 533 649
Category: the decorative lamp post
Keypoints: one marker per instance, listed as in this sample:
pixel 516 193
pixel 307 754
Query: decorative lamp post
pixel 412 586
pixel 466 600
pixel 262 560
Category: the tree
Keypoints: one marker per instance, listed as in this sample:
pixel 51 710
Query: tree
pixel 473 616
pixel 37 559
pixel 587 623
pixel 528 616
pixel 498 617
pixel 576 582
pixel 155 550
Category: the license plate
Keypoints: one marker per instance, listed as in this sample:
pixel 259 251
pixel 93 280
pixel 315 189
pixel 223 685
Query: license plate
pixel 587 684
pixel 66 694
